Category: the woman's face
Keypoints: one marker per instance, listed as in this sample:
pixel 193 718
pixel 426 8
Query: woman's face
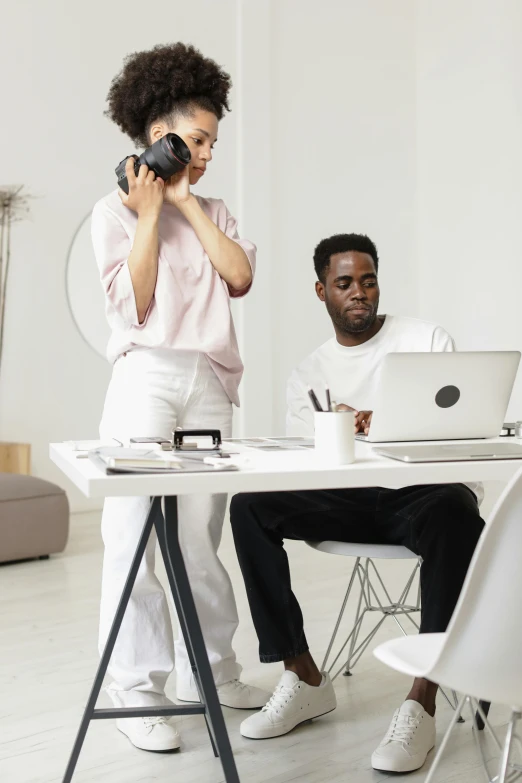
pixel 199 133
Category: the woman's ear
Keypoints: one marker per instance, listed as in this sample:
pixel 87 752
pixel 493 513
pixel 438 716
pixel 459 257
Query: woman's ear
pixel 157 131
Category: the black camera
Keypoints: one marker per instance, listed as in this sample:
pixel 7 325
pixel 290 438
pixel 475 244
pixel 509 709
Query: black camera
pixel 165 157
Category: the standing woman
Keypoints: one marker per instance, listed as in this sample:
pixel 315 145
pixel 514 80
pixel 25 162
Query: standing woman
pixel 169 262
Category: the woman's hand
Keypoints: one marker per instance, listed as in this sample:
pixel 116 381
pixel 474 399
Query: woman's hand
pixel 146 191
pixel 177 189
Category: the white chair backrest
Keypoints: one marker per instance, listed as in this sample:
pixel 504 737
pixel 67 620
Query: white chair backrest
pixel 483 651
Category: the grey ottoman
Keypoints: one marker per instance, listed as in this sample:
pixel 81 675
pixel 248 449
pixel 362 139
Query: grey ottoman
pixel 34 517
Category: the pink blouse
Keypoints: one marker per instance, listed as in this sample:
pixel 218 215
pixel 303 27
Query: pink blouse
pixel 190 309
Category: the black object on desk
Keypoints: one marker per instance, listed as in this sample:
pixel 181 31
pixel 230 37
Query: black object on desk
pixel 508 429
pixel 328 400
pixel 180 435
pixel 315 402
pixel 165 521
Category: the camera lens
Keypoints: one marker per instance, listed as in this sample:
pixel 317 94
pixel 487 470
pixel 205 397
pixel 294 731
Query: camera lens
pixel 167 156
pixel 178 148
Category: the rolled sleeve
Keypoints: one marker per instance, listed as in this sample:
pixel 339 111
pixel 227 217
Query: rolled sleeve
pixel 112 247
pixel 442 342
pixel 230 230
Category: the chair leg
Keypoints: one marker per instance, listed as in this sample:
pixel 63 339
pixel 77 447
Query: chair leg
pixel 455 704
pixel 374 604
pixel 476 713
pixel 440 752
pixel 398 606
pixel 353 638
pixel 359 618
pixel 477 740
pixel 341 614
pixel 476 710
pixel 369 601
pixel 502 777
pixel 366 593
pixel 407 587
pixel 483 717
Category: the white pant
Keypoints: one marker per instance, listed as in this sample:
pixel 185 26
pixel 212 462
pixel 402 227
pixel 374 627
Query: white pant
pixel 151 392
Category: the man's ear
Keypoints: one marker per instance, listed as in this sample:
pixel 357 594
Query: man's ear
pixel 319 290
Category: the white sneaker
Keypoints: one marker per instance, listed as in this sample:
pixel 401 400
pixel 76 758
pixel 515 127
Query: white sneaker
pixel 234 694
pixel 155 733
pixel 293 702
pixel 408 741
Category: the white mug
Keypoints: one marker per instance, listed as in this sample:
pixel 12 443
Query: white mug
pixel 335 437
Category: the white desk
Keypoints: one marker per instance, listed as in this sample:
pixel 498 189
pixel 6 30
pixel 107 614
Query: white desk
pixel 272 471
pixel 267 471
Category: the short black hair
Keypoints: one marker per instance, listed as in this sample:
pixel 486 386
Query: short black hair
pixel 342 243
pixel 162 83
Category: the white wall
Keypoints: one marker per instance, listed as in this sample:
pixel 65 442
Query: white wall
pixel 469 163
pixel 255 178
pixel 343 139
pixel 57 60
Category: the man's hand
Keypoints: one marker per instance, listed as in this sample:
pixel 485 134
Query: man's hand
pixel 363 419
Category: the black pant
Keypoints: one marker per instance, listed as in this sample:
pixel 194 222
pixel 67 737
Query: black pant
pixel 441 523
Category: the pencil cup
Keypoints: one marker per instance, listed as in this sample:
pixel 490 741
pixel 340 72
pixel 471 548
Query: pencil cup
pixel 335 437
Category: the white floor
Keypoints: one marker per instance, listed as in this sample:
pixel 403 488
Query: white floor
pixel 48 630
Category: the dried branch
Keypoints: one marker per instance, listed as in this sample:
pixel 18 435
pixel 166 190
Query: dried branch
pixel 15 201
pixel 14 206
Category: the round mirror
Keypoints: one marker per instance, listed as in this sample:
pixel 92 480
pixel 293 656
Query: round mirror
pixel 84 291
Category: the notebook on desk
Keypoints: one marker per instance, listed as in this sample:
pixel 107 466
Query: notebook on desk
pixel 122 460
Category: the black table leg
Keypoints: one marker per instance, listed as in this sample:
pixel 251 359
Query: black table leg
pixel 111 641
pixel 159 525
pixel 191 629
pixel 167 527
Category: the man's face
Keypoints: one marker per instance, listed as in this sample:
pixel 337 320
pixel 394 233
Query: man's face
pixel 350 292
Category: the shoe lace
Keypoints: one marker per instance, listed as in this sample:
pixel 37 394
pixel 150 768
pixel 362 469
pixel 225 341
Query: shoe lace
pixel 279 698
pixel 154 720
pixel 238 685
pixel 402 729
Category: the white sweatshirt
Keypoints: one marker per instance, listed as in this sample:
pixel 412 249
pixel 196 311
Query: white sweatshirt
pixel 352 374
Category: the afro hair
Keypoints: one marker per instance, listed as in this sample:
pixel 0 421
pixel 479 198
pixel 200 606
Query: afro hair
pixel 342 243
pixel 164 83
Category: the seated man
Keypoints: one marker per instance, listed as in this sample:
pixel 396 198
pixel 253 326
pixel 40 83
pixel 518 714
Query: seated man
pixel 441 523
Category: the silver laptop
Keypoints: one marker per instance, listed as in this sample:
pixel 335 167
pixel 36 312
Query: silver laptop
pixel 442 396
pixel 452 452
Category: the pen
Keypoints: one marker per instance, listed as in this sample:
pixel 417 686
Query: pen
pixel 328 399
pixel 315 401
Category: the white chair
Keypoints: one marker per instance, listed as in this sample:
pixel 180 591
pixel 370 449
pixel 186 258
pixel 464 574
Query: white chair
pixel 374 598
pixel 480 654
